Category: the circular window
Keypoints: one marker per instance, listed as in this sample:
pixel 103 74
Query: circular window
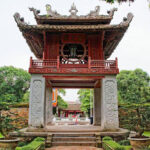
pixel 72 53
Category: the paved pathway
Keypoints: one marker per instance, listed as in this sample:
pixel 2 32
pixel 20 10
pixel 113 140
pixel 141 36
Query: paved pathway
pixel 73 148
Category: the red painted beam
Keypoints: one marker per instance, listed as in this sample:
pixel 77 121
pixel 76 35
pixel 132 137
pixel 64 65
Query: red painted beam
pixel 73 77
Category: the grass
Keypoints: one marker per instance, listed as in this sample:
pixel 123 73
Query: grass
pixel 1 136
pixel 146 133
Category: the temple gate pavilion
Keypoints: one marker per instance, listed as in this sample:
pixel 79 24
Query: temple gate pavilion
pixel 72 52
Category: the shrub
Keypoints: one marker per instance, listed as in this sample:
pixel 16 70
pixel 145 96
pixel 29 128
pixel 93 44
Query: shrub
pixel 1 136
pixel 128 147
pixel 124 142
pixel 20 144
pixel 39 139
pixel 37 142
pixel 107 138
pixel 135 117
pixel 109 144
pixel 113 145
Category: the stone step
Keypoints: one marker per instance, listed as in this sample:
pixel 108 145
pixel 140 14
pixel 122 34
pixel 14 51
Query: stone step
pixel 55 139
pixel 69 143
pixel 74 135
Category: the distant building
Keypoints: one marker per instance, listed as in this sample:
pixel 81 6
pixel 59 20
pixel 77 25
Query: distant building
pixel 73 109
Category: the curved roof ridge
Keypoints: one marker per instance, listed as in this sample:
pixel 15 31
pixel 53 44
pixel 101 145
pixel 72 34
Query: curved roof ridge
pixel 53 15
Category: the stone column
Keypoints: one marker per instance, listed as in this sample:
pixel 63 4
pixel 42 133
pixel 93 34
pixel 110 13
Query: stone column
pixel 37 101
pixel 97 107
pixel 48 106
pixel 109 104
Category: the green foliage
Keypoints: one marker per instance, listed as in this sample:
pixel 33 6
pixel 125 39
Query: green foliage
pixel 109 144
pixel 21 144
pixel 128 147
pixel 85 97
pixel 61 103
pixel 5 120
pixel 112 144
pixel 36 143
pixel 146 133
pixel 39 139
pixel 135 117
pixel 26 97
pixel 118 1
pixel 124 142
pixel 14 83
pixel 1 136
pixel 107 138
pixel 133 86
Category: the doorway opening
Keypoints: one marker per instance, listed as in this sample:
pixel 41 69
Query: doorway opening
pixel 72 106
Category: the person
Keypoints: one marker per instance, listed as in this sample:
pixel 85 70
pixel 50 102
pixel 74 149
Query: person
pixel 76 120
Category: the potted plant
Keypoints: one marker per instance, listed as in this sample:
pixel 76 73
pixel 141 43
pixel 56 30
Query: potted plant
pixel 139 121
pixel 6 125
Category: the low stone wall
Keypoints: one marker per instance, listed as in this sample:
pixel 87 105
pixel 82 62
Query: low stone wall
pixel 20 115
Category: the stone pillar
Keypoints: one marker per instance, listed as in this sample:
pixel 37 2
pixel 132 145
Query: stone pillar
pixel 109 104
pixel 37 101
pixel 97 107
pixel 48 106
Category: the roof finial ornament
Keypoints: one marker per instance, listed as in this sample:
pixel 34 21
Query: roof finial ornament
pixel 111 12
pixel 35 11
pixel 95 12
pixel 73 11
pixel 127 20
pixel 50 12
pixel 19 20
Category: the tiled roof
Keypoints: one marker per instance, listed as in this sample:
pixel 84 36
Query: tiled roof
pixel 112 33
pixel 73 106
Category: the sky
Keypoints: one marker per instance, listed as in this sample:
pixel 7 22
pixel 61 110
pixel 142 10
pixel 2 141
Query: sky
pixel 133 51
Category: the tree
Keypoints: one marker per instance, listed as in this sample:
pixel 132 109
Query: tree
pixel 14 83
pixel 85 97
pixel 61 103
pixel 133 86
pixel 5 120
pixel 135 117
pixel 119 1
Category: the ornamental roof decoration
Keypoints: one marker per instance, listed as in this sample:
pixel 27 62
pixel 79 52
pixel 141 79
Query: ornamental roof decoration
pixel 73 11
pixel 50 12
pixel 54 15
pixel 95 12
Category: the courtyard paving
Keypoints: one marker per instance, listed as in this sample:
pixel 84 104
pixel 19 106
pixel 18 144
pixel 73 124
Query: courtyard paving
pixel 73 148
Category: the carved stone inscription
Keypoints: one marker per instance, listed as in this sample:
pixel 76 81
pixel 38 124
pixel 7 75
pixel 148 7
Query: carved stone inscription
pixel 110 104
pixel 110 100
pixel 36 103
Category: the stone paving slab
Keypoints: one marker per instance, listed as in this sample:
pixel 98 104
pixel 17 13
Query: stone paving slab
pixel 73 148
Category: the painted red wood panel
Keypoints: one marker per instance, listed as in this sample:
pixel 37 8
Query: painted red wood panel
pixel 52 46
pixel 78 38
pixel 95 46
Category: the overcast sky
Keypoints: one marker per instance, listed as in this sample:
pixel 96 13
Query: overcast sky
pixel 133 51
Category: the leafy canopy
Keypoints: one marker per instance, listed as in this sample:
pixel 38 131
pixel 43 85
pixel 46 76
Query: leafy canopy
pixel 133 86
pixel 14 83
pixel 61 103
pixel 119 1
pixel 85 97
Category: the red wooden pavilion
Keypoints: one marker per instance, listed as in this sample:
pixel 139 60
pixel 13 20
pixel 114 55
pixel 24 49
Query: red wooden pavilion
pixel 72 52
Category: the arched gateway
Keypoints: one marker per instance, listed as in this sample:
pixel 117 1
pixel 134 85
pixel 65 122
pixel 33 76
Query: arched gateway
pixel 72 52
